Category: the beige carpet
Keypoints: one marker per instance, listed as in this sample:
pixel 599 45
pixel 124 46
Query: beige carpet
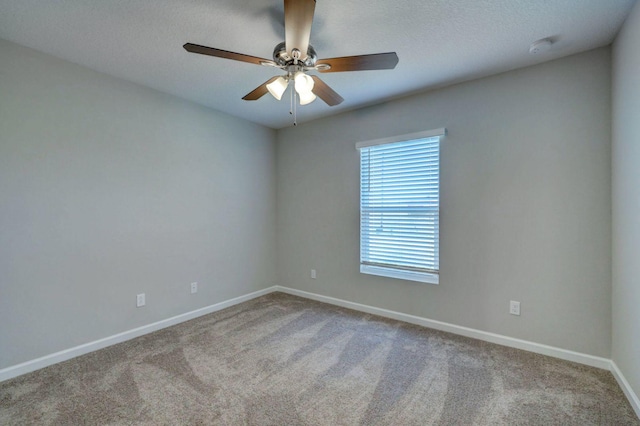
pixel 283 360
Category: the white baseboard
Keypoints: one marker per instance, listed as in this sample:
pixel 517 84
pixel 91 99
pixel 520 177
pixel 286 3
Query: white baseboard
pixel 626 388
pixel 47 360
pixel 538 348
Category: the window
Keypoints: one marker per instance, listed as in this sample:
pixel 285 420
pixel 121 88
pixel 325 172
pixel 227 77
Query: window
pixel 400 206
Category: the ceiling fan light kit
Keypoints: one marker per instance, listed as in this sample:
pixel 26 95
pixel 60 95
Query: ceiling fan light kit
pixel 297 57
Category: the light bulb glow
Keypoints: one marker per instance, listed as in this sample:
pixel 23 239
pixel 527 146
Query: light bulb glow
pixel 277 87
pixel 304 87
pixel 307 98
pixel 303 82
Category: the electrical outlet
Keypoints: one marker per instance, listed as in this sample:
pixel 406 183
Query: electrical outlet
pixel 313 274
pixel 140 300
pixel 194 288
pixel 514 307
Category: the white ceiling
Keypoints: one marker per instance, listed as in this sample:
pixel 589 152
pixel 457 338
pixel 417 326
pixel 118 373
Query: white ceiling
pixel 439 42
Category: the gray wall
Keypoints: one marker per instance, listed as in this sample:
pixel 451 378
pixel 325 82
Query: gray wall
pixel 525 204
pixel 109 189
pixel 626 200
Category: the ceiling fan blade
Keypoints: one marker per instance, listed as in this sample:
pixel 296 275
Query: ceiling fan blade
pixel 324 92
pixel 298 17
pixel 377 61
pixel 211 51
pixel 259 91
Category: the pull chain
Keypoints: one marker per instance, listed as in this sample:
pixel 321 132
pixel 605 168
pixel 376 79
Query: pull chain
pixel 291 102
pixel 292 106
pixel 295 107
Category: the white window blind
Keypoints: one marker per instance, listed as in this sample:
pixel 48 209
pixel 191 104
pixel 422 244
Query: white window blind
pixel 399 208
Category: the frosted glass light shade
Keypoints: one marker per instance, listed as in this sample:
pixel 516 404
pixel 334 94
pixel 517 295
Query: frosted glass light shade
pixel 304 83
pixel 304 87
pixel 277 87
pixel 306 98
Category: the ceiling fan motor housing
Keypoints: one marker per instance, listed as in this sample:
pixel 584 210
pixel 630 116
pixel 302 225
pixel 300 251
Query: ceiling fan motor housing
pixel 283 59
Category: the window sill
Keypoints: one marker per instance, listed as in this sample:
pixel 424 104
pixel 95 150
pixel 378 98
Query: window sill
pixel 422 277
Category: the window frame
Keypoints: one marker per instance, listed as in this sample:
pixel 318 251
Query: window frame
pixel 431 277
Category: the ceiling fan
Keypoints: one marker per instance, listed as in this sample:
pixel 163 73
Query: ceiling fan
pixel 296 56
